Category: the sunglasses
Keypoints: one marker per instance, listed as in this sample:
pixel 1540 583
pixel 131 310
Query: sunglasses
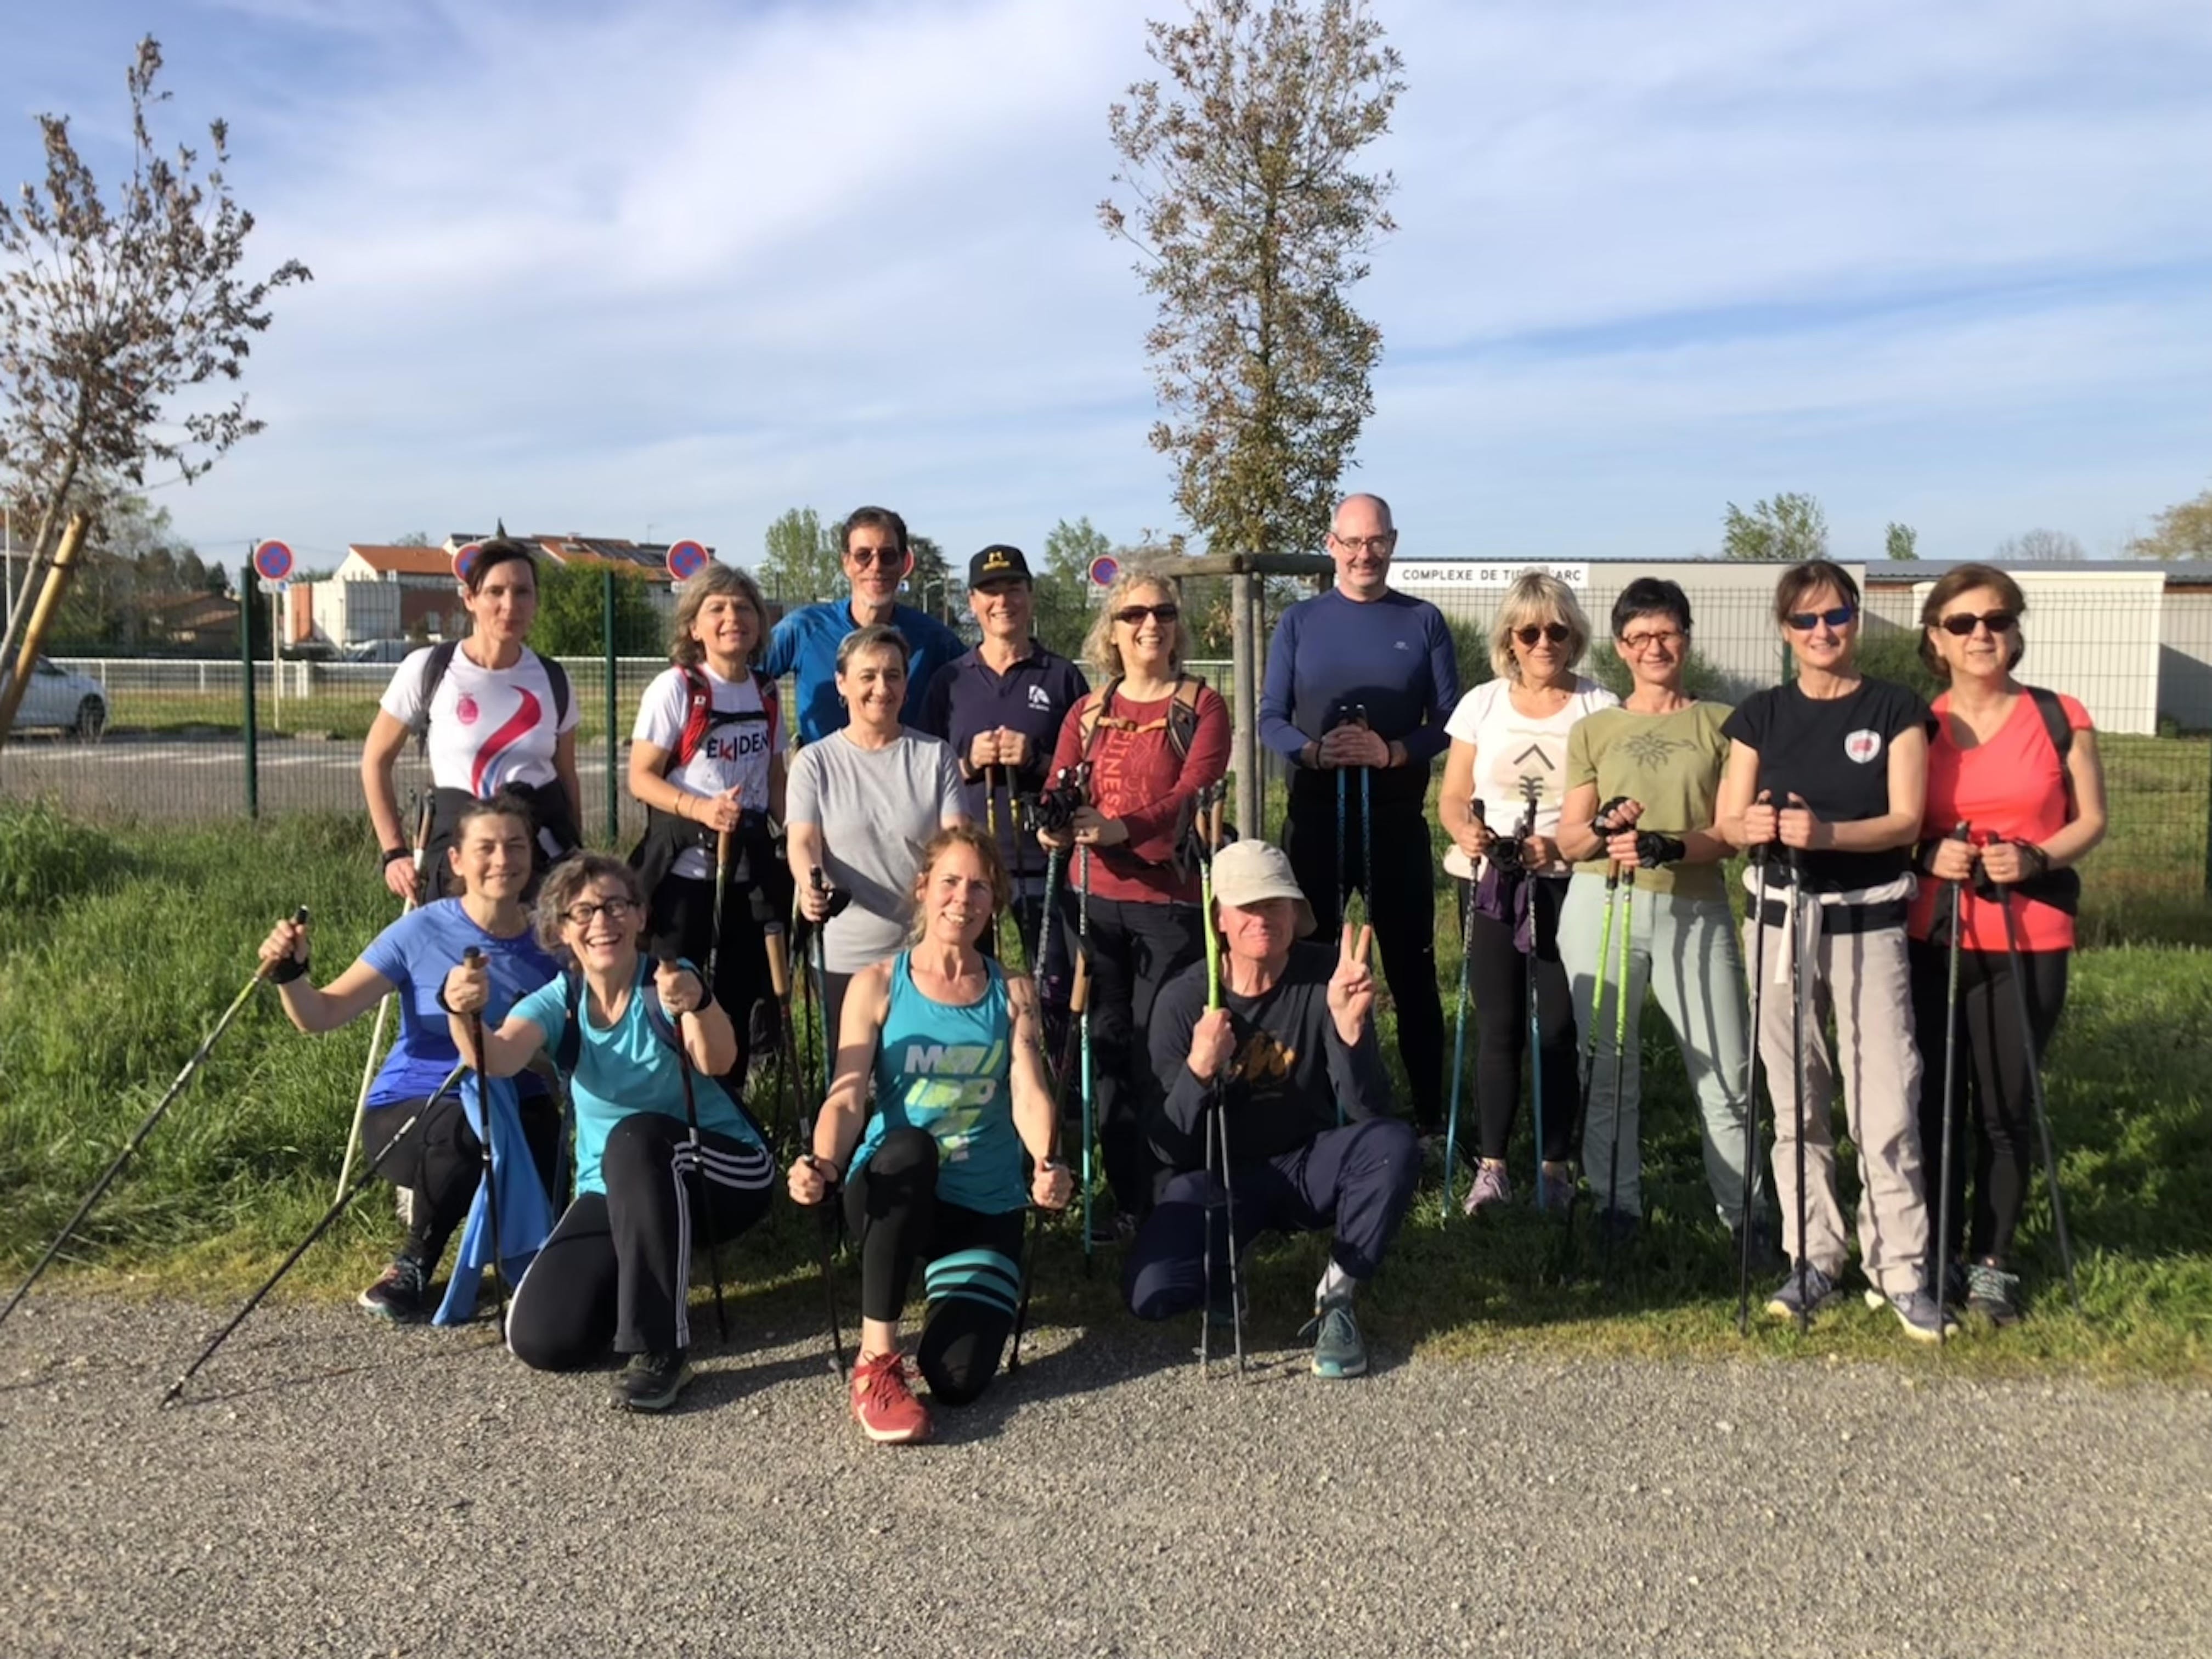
pixel 1965 622
pixel 1134 615
pixel 865 556
pixel 1555 632
pixel 1806 620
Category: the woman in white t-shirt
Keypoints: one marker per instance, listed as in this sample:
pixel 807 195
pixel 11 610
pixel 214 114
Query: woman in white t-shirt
pixel 705 761
pixel 1508 747
pixel 495 714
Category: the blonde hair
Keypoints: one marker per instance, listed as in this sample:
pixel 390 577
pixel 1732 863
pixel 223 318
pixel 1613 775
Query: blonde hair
pixel 571 876
pixel 683 650
pixel 1536 596
pixel 994 871
pixel 1099 651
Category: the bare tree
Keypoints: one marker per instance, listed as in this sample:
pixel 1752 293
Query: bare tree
pixel 2033 544
pixel 1253 222
pixel 108 313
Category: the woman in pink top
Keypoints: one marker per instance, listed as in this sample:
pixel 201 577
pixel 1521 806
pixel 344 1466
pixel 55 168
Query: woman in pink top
pixel 1153 737
pixel 2018 766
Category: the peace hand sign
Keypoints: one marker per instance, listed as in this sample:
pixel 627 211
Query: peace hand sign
pixel 1352 987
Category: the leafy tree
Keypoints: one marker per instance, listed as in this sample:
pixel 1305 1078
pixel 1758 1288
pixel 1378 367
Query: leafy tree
pixel 1791 526
pixel 572 612
pixel 1253 222
pixel 413 539
pixel 2181 531
pixel 1064 608
pixel 804 558
pixel 107 313
pixel 931 585
pixel 2032 544
pixel 1903 541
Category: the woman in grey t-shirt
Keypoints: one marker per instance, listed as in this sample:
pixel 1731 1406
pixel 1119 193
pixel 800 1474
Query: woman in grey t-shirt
pixel 861 804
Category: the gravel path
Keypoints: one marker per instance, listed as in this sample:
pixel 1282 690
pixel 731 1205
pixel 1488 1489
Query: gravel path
pixel 332 1487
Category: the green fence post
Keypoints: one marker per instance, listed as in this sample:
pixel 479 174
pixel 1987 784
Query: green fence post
pixel 246 595
pixel 607 632
pixel 2207 832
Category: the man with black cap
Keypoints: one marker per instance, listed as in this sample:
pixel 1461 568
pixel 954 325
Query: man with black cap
pixel 1001 706
pixel 1291 1062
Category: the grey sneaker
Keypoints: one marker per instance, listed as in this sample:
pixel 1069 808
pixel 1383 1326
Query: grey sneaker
pixel 1338 1349
pixel 401 1292
pixel 1917 1310
pixel 651 1381
pixel 1556 1192
pixel 1993 1293
pixel 1792 1297
pixel 1492 1186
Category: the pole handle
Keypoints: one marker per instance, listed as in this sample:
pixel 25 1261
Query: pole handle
pixel 1078 999
pixel 779 964
pixel 299 920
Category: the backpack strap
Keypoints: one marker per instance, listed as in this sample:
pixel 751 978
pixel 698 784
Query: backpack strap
pixel 1180 720
pixel 700 718
pixel 441 659
pixel 570 1048
pixel 557 677
pixel 2060 732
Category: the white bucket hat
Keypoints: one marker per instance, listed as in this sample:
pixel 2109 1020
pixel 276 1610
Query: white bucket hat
pixel 1249 872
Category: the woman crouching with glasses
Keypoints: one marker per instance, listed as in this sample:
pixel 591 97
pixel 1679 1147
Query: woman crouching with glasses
pixel 616 1271
pixel 1834 767
pixel 2018 766
pixel 945 1041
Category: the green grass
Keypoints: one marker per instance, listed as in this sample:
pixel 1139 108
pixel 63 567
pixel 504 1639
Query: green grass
pixel 123 945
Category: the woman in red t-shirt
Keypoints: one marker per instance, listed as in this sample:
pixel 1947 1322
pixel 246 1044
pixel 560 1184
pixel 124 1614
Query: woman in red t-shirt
pixel 1153 739
pixel 2030 815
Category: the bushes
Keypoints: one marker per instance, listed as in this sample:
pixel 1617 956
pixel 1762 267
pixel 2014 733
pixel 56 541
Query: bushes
pixel 46 858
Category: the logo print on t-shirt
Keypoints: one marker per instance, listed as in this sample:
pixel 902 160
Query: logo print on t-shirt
pixel 466 710
pixel 1862 745
pixel 1039 698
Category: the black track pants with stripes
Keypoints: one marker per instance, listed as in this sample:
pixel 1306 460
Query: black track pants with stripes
pixel 617 1271
pixel 972 1275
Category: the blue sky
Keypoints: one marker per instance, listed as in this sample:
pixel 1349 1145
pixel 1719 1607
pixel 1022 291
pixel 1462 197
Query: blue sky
pixel 676 267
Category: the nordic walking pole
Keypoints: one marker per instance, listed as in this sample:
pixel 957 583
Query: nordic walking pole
pixel 1530 787
pixel 1343 892
pixel 1078 999
pixel 1950 1105
pixel 778 975
pixel 2035 1099
pixel 424 812
pixel 1459 1040
pixel 1589 1072
pixel 1083 1021
pixel 1798 990
pixel 145 1128
pixel 699 1163
pixel 1758 855
pixel 721 885
pixel 471 957
pixel 1366 833
pixel 1216 1128
pixel 1619 1067
pixel 339 1207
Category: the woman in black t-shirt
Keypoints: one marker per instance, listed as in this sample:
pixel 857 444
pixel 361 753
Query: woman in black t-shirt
pixel 1834 767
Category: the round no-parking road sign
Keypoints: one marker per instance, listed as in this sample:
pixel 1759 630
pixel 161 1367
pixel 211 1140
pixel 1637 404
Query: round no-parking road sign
pixel 464 559
pixel 1104 569
pixel 272 561
pixel 686 559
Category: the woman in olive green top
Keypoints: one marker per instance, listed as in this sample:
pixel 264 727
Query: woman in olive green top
pixel 1660 754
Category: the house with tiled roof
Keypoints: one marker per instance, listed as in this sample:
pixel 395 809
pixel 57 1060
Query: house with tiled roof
pixel 379 592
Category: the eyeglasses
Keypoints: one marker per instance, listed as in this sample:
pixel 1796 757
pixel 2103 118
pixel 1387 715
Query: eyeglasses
pixel 581 916
pixel 1134 615
pixel 1806 620
pixel 1555 632
pixel 865 556
pixel 1382 543
pixel 1965 622
pixel 1636 644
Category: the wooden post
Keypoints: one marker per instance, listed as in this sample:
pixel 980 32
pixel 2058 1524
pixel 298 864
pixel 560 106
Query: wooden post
pixel 42 616
pixel 1244 751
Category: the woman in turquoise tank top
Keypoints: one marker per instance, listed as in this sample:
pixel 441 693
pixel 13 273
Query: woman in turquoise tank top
pixel 947 1042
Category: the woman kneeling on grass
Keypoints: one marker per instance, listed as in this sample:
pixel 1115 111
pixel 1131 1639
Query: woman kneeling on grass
pixel 616 1271
pixel 439 1161
pixel 2018 766
pixel 948 1042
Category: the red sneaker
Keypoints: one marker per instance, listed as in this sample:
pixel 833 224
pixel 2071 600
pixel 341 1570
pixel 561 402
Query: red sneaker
pixel 883 1402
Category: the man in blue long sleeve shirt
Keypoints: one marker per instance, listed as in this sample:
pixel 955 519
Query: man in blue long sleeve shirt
pixel 876 561
pixel 1363 647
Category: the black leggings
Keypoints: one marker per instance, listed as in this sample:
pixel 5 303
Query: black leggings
pixel 440 1161
pixel 1498 980
pixel 616 1273
pixel 684 925
pixel 1994 1111
pixel 972 1276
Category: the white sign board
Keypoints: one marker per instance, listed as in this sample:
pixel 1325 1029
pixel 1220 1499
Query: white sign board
pixel 1480 573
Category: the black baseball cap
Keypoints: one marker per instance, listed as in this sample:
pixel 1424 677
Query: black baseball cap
pixel 998 563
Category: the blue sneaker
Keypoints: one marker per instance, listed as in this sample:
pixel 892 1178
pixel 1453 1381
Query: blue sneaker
pixel 1338 1349
pixel 1790 1299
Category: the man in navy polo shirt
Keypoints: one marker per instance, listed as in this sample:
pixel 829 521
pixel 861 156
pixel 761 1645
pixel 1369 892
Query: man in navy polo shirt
pixel 1002 706
pixel 876 561
pixel 1362 645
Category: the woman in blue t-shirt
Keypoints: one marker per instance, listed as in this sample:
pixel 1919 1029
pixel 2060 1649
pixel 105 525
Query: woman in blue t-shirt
pixel 947 1041
pixel 439 1162
pixel 616 1271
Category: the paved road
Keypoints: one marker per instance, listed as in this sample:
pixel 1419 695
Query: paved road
pixel 335 1488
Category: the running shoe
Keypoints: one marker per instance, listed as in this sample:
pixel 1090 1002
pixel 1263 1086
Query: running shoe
pixel 651 1381
pixel 1993 1293
pixel 1808 1295
pixel 1559 1190
pixel 1492 1186
pixel 401 1293
pixel 1918 1311
pixel 883 1403
pixel 1338 1349
pixel 1617 1229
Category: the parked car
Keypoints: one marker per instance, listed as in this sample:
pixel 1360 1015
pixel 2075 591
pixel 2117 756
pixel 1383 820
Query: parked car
pixel 58 700
pixel 381 651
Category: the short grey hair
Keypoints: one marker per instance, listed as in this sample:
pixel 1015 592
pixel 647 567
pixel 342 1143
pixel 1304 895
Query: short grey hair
pixel 876 636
